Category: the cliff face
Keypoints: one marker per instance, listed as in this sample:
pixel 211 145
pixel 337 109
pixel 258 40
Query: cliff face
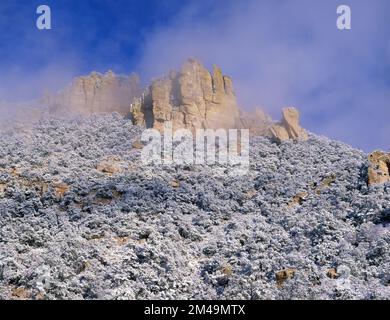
pixel 96 93
pixel 195 98
pixel 192 98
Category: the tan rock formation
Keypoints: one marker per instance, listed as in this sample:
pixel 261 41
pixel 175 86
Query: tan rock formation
pixel 60 188
pixel 279 133
pixel 298 199
pixel 96 93
pixel 3 188
pixel 175 184
pixel 283 275
pixel 315 188
pixel 192 98
pixel 20 293
pixel 379 169
pixel 289 127
pixel 332 273
pixel 325 183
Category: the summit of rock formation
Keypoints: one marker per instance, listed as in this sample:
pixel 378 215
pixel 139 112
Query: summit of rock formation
pixel 191 98
pixel 289 127
pixel 96 93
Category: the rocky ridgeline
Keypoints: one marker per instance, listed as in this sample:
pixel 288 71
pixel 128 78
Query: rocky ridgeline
pixel 191 98
pixel 195 98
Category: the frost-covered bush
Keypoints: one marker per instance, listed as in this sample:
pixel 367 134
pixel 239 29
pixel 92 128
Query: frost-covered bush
pixel 133 235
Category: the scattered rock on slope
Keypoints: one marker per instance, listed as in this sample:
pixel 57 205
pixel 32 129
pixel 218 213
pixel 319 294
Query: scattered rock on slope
pixel 283 275
pixel 110 165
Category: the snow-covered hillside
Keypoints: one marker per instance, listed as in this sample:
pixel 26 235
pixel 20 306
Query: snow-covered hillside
pixel 80 217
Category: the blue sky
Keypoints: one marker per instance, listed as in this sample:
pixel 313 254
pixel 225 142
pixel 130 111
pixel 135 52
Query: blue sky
pixel 279 53
pixel 86 35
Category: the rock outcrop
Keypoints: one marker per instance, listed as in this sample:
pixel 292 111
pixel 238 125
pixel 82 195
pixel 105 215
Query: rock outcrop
pixel 332 273
pixel 283 275
pixel 192 98
pixel 96 93
pixel 379 168
pixel 289 127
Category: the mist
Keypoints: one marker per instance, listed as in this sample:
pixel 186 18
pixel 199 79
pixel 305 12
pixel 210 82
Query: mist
pixel 283 53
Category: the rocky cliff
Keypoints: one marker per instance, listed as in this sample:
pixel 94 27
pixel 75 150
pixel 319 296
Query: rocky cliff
pixel 96 93
pixel 194 98
pixel 191 98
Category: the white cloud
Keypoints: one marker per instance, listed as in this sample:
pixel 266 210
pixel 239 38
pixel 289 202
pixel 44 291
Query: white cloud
pixel 287 53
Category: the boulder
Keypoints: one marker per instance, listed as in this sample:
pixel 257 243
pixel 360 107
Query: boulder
pixel 332 273
pixel 298 199
pixel 175 184
pixel 60 188
pixel 279 133
pixel 283 275
pixel 289 127
pixel 20 293
pixel 379 167
pixel 137 144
